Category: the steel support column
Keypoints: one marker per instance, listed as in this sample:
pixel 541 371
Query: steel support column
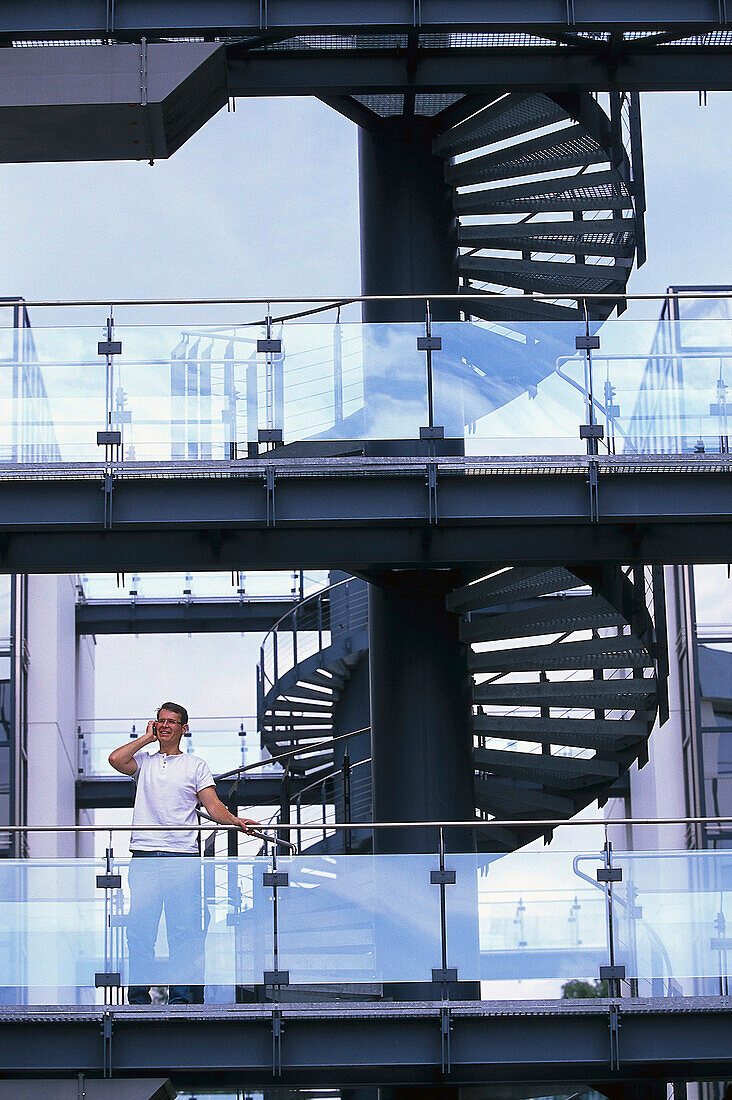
pixel 408 225
pixel 420 718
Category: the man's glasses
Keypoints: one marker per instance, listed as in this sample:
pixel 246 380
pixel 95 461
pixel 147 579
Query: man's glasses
pixel 169 722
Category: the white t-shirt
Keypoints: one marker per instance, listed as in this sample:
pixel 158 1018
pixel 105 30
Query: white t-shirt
pixel 167 794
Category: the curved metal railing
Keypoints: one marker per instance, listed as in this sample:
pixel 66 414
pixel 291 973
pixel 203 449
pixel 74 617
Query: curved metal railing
pixel 312 626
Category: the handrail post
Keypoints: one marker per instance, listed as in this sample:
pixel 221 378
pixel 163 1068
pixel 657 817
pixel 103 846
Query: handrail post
pixel 294 638
pixel 347 800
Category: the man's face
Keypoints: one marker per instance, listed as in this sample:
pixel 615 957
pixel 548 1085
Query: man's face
pixel 170 729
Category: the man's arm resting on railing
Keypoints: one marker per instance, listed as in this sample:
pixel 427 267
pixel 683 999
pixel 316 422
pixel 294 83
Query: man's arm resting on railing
pixel 215 809
pixel 122 759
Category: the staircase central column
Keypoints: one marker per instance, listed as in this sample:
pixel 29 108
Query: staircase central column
pixel 420 685
pixel 420 718
pixel 408 225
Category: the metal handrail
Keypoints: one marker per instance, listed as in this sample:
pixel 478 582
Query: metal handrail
pixel 335 301
pixel 289 753
pixel 291 617
pixel 473 823
pixel 258 833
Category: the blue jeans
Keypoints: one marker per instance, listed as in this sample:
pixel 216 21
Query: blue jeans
pixel 171 882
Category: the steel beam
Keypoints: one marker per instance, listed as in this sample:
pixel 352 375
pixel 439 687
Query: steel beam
pixel 340 1044
pixel 329 73
pixel 362 515
pixel 130 18
pixel 226 616
pixel 116 792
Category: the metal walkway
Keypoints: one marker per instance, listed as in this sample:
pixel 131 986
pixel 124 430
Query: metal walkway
pixel 418 1043
pixel 366 513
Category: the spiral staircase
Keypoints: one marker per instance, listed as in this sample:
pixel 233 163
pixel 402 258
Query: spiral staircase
pixel 565 688
pixel 548 198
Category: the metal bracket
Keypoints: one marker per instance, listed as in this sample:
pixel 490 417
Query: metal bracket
pixel 110 980
pixel 443 878
pixel 275 878
pixel 612 973
pixel 108 490
pixel 109 439
pixel 587 343
pixel 109 882
pixel 445 1029
pixel 277 1042
pixel 721 943
pixel 592 431
pixel 269 485
pixel 609 874
pixel 614 1025
pixel 109 347
pixel 273 346
pixel 429 343
pixel 592 481
pixel 433 431
pixel 449 974
pixel 276 977
pixel 432 494
pixel 269 435
pixel 106 1029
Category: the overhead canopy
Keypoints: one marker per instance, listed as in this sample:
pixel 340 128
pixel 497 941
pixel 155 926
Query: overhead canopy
pixel 129 102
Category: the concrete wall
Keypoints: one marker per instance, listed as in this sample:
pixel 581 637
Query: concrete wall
pixel 658 789
pixel 52 710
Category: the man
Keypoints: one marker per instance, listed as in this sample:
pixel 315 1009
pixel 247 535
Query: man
pixel 170 784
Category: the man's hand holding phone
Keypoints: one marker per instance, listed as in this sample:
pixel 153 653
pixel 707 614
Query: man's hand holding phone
pixel 152 731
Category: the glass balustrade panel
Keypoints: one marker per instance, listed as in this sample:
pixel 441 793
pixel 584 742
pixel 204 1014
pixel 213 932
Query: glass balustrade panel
pixel 223 744
pixel 218 933
pixel 52 931
pixel 525 923
pixel 502 387
pixel 671 913
pixel 499 388
pixel 359 920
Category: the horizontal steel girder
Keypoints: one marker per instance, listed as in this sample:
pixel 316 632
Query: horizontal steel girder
pixel 116 792
pixel 384 1043
pixel 668 68
pixel 363 514
pixel 230 616
pixel 51 18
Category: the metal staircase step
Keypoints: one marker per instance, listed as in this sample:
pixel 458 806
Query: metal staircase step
pixel 310 706
pixel 303 692
pixel 571 240
pixel 571 147
pixel 514 800
pixel 577 192
pixel 282 721
pixel 501 307
pixel 583 733
pixel 303 765
pixel 322 679
pixel 518 583
pixel 549 616
pixel 554 771
pixel 469 235
pixel 625 651
pixel 545 275
pixel 617 694
pixel 511 115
